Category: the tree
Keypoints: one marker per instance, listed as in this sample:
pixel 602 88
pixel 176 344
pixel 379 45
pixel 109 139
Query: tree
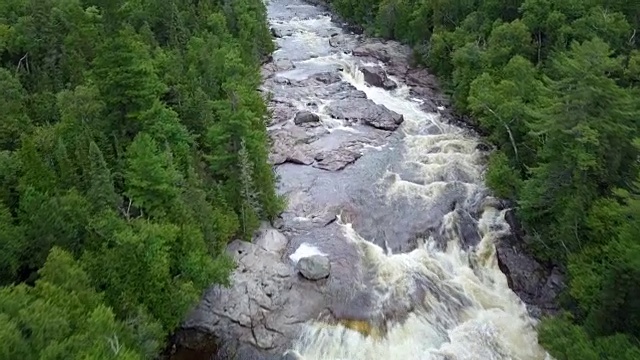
pixel 60 317
pixel 101 192
pixel 151 180
pixel 124 74
pixel 15 122
pixel 587 150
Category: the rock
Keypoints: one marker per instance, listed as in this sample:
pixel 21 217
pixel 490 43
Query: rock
pixel 389 84
pixel 337 40
pixel 537 284
pixel 272 67
pixel 366 111
pixel 299 157
pixel 338 159
pixel 375 76
pixel 352 28
pixel 341 91
pixel 328 77
pixel 421 78
pixel 291 145
pixel 314 267
pixel 281 112
pixel 305 117
pixel 276 33
pixel 369 50
pixel 271 239
pixel 483 147
pixel 262 311
pixel 265 309
pixel 281 80
pixel 391 52
pixel 284 64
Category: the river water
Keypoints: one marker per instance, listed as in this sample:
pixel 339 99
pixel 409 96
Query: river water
pixel 414 213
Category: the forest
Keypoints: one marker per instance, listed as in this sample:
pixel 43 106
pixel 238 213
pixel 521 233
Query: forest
pixel 132 149
pixel 554 84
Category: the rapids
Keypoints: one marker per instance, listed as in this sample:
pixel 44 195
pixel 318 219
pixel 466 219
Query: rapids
pixel 419 217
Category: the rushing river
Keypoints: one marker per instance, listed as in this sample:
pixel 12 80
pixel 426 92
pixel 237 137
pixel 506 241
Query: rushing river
pixel 419 218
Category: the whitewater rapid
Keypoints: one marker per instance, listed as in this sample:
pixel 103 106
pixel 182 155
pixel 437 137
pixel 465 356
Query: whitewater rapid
pixel 453 300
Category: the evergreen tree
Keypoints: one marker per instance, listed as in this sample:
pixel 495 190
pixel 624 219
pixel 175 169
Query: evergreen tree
pixel 152 182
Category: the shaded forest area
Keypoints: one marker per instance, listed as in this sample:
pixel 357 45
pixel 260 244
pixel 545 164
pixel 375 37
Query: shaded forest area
pixel 555 85
pixel 132 149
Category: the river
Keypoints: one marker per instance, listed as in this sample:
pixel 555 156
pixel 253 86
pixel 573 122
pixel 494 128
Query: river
pixel 401 211
pixel 403 187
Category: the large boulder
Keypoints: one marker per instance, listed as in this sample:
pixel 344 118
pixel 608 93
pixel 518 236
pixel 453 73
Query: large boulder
pixel 306 117
pixel 314 267
pixel 365 111
pixel 375 76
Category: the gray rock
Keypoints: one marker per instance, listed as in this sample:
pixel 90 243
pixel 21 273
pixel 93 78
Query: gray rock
pixel 389 84
pixel 281 112
pixel 271 239
pixel 336 40
pixel 268 303
pixel 314 267
pixel 305 117
pixel 338 159
pixel 376 76
pixel 276 33
pixel 264 307
pixel 537 284
pixel 373 50
pixel 273 67
pixel 291 145
pixel 366 111
pixel 284 64
pixel 328 77
pixel 341 91
pixel 281 80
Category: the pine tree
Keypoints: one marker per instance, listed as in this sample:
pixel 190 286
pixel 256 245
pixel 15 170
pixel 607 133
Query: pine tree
pixel 249 203
pixel 151 180
pixel 101 193
pixel 124 74
pixel 14 122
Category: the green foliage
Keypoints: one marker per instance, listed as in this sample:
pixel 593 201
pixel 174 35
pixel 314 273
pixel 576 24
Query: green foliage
pixel 133 148
pixel 554 85
pixel 501 177
pixel 61 317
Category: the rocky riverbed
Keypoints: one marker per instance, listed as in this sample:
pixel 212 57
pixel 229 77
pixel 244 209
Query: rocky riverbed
pixel 391 245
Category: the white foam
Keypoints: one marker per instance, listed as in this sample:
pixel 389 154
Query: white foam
pixel 305 250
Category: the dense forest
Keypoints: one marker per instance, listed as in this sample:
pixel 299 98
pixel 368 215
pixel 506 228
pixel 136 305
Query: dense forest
pixel 132 149
pixel 555 84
